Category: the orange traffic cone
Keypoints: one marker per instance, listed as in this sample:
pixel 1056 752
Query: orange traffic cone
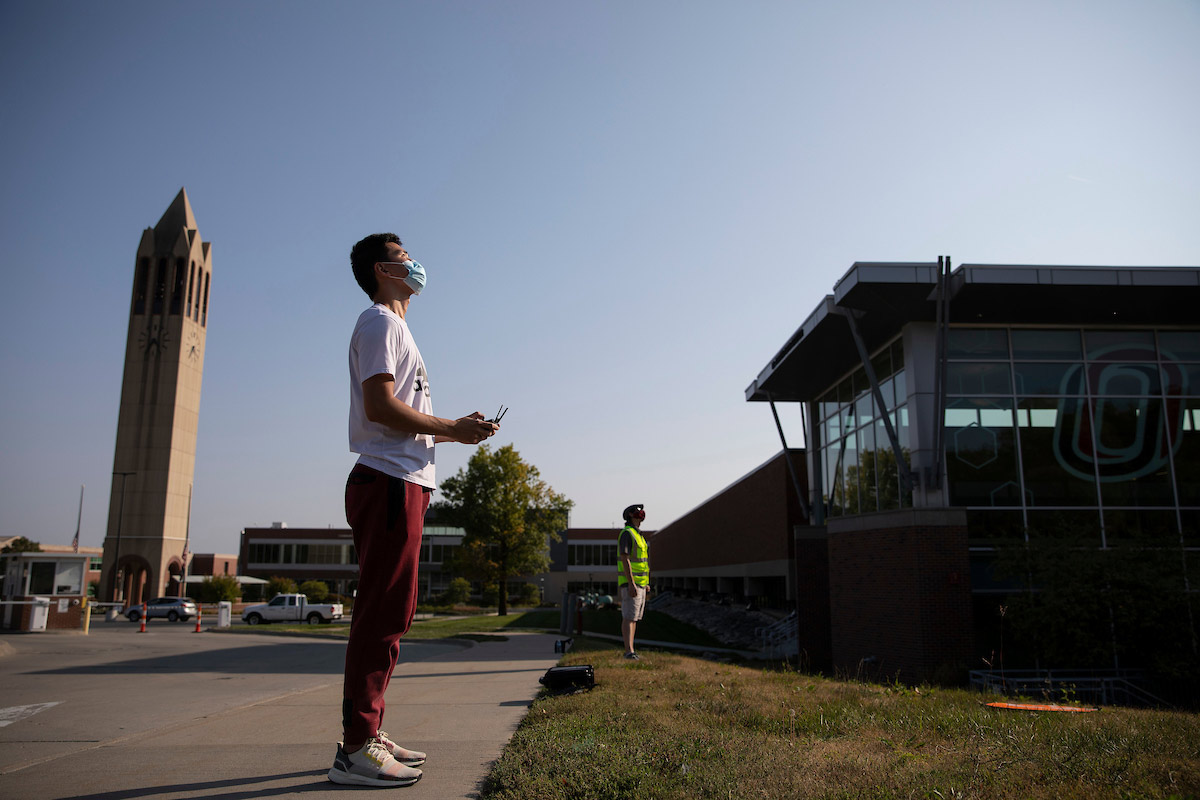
pixel 199 613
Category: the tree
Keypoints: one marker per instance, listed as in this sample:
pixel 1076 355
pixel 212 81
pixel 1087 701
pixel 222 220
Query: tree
pixel 316 591
pixel 22 545
pixel 215 588
pixel 530 594
pixel 277 585
pixel 458 592
pixel 509 515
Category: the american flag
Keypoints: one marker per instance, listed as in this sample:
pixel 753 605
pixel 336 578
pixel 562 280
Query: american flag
pixel 75 541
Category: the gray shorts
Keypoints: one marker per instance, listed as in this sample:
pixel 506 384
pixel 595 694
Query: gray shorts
pixel 632 608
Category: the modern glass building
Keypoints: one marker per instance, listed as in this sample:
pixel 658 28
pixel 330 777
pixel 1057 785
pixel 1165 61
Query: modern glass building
pixel 957 416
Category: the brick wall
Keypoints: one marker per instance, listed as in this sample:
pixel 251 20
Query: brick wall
pixel 71 619
pixel 812 597
pixel 747 522
pixel 900 593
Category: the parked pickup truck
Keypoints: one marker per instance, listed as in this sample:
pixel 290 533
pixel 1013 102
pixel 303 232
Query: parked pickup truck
pixel 292 608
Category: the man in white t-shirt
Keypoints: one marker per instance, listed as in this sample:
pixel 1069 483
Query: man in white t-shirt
pixel 393 430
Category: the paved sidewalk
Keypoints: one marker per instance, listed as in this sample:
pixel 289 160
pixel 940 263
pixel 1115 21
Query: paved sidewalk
pixel 461 707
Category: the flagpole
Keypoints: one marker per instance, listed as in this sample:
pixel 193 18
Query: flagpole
pixel 187 536
pixel 78 521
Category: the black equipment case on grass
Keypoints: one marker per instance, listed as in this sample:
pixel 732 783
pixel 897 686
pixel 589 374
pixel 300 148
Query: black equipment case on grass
pixel 582 676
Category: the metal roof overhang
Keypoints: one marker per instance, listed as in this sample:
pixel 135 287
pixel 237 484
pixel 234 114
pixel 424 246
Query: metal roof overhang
pixel 887 296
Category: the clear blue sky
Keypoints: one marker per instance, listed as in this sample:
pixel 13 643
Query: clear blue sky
pixel 624 209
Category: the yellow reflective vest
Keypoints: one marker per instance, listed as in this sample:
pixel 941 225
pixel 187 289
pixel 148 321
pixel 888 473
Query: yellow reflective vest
pixel 639 559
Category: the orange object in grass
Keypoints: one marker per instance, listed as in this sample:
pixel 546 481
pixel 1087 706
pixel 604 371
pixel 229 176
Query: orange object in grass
pixel 1041 707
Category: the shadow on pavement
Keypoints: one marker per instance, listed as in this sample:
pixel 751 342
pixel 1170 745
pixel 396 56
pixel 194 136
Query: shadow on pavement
pixel 240 786
pixel 307 658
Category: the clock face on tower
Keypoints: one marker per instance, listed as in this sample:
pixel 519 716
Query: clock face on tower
pixel 191 347
pixel 154 339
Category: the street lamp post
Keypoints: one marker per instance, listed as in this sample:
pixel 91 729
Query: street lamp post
pixel 116 570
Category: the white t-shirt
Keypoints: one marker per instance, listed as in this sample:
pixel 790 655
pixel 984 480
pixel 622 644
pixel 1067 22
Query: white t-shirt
pixel 383 344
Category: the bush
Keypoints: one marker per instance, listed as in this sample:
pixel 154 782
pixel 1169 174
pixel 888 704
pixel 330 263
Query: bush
pixel 277 585
pixel 527 595
pixel 316 591
pixel 458 593
pixel 491 595
pixel 252 593
pixel 217 588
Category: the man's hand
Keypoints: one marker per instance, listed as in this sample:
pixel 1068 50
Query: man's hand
pixel 473 429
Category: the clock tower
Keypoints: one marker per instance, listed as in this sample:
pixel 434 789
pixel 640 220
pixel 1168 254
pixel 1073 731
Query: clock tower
pixel 155 454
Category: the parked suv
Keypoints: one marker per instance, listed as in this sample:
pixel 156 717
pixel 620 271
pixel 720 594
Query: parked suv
pixel 172 608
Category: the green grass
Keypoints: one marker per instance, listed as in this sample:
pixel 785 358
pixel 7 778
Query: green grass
pixel 540 620
pixel 656 626
pixel 672 727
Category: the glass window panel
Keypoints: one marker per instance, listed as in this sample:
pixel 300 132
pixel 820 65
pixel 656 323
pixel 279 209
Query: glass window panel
pixel 887 473
pixel 41 577
pixel 981 457
pixel 851 489
pixel 882 364
pixel 845 391
pixel 1131 452
pixel 1185 436
pixel 828 403
pixel 1179 345
pixel 1120 345
pixel 867 469
pixel 901 387
pixel 1047 378
pixel 1080 526
pixel 833 480
pixel 974 343
pixel 831 430
pixel 1124 379
pixel 898 355
pixel 1052 478
pixel 1053 345
pixel 900 420
pixel 859 382
pixel 1181 379
pixel 888 390
pixel 966 378
pixel 864 409
pixel 846 417
pixel 986 526
pixel 1122 525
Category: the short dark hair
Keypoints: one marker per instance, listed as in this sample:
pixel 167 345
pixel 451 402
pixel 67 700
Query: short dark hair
pixel 365 254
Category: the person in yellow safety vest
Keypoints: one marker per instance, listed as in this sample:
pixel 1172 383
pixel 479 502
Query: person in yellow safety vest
pixel 633 574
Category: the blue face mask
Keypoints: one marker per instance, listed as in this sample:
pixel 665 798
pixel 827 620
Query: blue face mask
pixel 415 279
pixel 416 276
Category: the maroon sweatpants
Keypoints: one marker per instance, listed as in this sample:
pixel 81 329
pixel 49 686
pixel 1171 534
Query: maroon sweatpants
pixel 387 516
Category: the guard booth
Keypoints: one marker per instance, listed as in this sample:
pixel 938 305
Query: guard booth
pixel 43 591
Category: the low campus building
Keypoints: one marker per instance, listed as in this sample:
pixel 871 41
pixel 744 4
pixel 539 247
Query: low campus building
pixel 736 545
pixel 327 555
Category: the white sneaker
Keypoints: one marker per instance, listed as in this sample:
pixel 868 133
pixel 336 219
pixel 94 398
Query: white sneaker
pixel 409 758
pixel 371 765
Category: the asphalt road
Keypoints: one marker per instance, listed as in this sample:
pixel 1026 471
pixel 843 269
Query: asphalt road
pixel 63 694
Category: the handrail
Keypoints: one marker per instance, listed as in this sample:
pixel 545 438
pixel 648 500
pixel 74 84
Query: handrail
pixel 1104 686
